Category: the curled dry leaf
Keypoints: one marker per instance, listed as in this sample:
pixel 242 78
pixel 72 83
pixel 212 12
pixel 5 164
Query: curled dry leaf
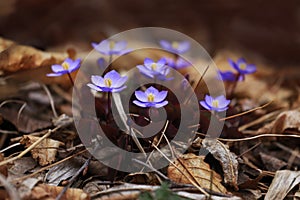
pixel 227 159
pixel 283 182
pixel 196 169
pixel 14 57
pixel 286 120
pixel 44 152
pixel 49 192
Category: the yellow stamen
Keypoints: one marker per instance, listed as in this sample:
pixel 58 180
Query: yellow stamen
pixel 108 82
pixel 111 44
pixel 150 97
pixel 65 65
pixel 243 66
pixel 175 45
pixel 215 103
pixel 153 66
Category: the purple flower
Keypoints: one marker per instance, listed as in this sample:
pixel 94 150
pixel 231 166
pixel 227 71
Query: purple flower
pixel 151 98
pixel 102 63
pixel 175 47
pixel 218 104
pixel 242 67
pixel 229 76
pixel 153 69
pixel 178 63
pixel 66 67
pixel 111 82
pixel 109 47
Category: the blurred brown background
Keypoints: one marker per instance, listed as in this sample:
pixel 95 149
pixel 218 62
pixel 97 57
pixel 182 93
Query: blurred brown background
pixel 268 28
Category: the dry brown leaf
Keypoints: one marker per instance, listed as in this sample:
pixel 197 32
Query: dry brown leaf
pixel 16 57
pixel 44 152
pixel 286 120
pixel 62 171
pixel 3 168
pixel 195 168
pixel 141 177
pixel 272 163
pixel 227 159
pixel 49 192
pixel 27 122
pixel 283 182
pixel 20 167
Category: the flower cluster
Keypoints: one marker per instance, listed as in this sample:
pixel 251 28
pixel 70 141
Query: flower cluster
pixel 242 68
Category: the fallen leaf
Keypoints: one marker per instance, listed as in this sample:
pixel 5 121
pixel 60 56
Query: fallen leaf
pixel 18 57
pixel 20 167
pixel 5 43
pixel 62 172
pixel 44 152
pixel 272 163
pixel 141 177
pixel 283 182
pixel 24 189
pixel 286 120
pixel 227 159
pixel 195 168
pixel 49 192
pixel 27 122
pixel 3 168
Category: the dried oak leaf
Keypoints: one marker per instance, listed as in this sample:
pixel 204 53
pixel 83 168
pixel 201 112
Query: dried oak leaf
pixel 195 168
pixel 283 182
pixel 227 159
pixel 3 168
pixel 286 120
pixel 44 152
pixel 18 57
pixel 49 192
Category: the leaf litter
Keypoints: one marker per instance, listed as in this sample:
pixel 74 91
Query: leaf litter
pixel 254 159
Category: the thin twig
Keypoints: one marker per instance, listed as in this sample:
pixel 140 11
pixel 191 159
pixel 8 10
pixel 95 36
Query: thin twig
pixel 246 112
pixel 151 168
pixel 51 100
pixel 253 137
pixel 9 147
pixel 30 147
pixel 198 83
pixel 268 116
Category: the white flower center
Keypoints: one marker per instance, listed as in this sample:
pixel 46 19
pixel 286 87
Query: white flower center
pixel 175 45
pixel 150 97
pixel 215 103
pixel 65 65
pixel 108 82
